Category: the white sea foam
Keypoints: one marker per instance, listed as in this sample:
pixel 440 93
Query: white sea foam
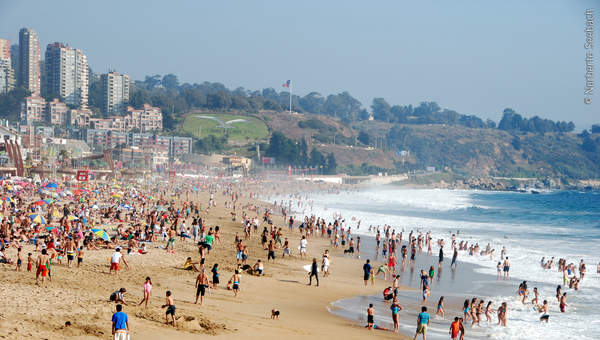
pixel 526 244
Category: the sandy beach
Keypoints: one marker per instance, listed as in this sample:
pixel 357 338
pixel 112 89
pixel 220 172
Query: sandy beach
pixel 80 295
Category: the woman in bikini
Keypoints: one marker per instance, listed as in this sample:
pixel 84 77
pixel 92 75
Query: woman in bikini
pixel 440 308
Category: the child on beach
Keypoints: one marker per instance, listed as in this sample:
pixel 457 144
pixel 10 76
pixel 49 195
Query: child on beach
pixel 147 292
pixel 454 329
pixel 79 256
pixel 29 262
pixel 19 259
pixel 440 308
pixel 370 316
pixel 170 308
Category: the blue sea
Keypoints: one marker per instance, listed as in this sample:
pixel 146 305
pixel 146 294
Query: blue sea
pixel 563 224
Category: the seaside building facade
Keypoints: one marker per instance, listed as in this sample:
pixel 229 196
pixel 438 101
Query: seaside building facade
pixel 29 73
pixel 150 143
pixel 56 112
pixel 7 74
pixel 66 74
pixel 33 110
pixel 115 92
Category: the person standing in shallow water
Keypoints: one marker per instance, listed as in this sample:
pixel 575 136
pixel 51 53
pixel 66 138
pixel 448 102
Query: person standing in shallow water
pixel 506 268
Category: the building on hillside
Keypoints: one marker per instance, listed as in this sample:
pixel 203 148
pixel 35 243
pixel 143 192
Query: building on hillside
pixel 57 112
pixel 7 76
pixel 146 119
pixel 5 49
pixel 115 93
pixel 29 73
pixel 105 139
pixel 32 110
pixel 66 74
pixel 80 117
pixel 170 146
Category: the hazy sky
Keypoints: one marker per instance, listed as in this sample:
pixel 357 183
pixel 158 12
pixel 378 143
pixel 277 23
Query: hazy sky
pixel 476 57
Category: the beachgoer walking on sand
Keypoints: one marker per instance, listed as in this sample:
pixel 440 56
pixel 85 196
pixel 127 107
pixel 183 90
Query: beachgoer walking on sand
pixel 170 308
pixel 115 259
pixel 120 324
pixel 201 285
pixel 302 248
pixel 41 263
pixel 368 271
pixel 314 271
pixel 215 275
pixel 235 279
pixel 147 292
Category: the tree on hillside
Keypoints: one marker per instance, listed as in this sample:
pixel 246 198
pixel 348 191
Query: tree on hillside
pixel 596 128
pixel 589 145
pixel 303 149
pixel 331 164
pixel 10 103
pixel 316 158
pixel 170 81
pixel 343 106
pixel 151 82
pixel 381 110
pixel 364 138
pixel 516 142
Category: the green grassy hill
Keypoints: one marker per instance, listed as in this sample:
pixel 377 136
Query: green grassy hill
pixel 249 130
pixel 461 150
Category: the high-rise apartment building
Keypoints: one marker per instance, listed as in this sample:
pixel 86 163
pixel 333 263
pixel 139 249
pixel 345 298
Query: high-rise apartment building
pixel 115 93
pixel 7 75
pixel 29 72
pixel 5 49
pixel 66 74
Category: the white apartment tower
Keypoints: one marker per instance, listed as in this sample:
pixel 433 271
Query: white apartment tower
pixel 66 75
pixel 115 93
pixel 29 73
pixel 7 75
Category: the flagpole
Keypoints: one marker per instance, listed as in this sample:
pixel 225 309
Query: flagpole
pixel 290 97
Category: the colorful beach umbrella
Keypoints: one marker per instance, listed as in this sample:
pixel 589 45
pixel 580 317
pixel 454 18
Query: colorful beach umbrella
pixel 101 233
pixel 51 185
pixel 37 218
pixel 72 218
pixel 38 203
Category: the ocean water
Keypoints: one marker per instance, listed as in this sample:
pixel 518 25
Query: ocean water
pixel 563 224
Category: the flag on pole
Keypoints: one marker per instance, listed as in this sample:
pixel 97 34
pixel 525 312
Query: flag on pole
pixel 287 84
